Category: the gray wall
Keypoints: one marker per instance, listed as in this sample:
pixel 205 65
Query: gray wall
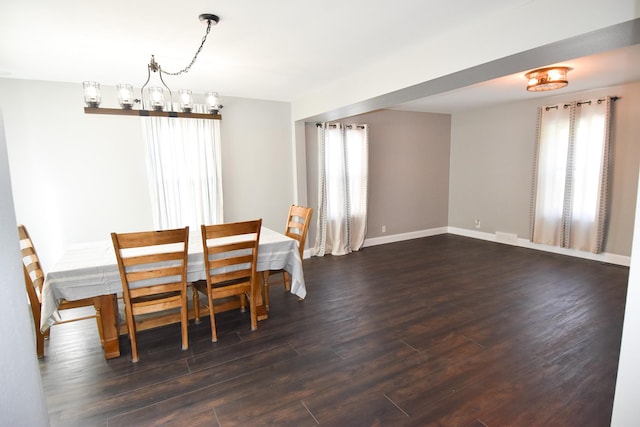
pixel 484 173
pixel 491 166
pixel 408 171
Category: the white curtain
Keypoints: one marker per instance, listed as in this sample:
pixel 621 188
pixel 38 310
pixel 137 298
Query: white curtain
pixel 571 175
pixel 184 170
pixel 343 188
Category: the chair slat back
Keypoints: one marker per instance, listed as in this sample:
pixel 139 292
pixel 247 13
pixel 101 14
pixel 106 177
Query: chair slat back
pixel 298 225
pixel 153 260
pixel 33 274
pixel 231 251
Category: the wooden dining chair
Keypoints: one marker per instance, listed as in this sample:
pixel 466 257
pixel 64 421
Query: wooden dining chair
pixel 297 227
pixel 34 281
pixel 153 270
pixel 230 257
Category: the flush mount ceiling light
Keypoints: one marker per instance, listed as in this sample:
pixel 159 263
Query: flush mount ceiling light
pixel 549 78
pixel 153 101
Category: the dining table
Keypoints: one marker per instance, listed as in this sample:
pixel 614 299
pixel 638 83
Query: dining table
pixel 90 270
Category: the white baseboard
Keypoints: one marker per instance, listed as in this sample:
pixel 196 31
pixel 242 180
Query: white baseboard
pixel 509 239
pixel 500 237
pixel 374 241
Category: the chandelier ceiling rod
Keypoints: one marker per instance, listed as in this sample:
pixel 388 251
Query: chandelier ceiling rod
pixel 156 68
pixel 211 20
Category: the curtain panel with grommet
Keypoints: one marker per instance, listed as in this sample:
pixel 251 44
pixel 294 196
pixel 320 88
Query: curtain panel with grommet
pixel 343 188
pixel 571 175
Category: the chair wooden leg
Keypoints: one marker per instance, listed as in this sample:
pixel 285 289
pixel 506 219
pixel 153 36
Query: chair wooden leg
pixel 254 316
pixel 212 319
pixel 196 304
pixel 35 311
pixel 243 303
pixel 184 314
pixel 39 342
pixel 131 329
pixel 265 286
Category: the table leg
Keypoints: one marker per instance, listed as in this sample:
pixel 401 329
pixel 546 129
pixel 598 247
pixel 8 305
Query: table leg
pixel 107 306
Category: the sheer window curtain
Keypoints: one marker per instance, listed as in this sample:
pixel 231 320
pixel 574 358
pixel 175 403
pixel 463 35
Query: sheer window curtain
pixel 184 171
pixel 343 188
pixel 571 175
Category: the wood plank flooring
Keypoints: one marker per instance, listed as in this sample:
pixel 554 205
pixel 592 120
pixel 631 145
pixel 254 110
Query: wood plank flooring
pixel 442 331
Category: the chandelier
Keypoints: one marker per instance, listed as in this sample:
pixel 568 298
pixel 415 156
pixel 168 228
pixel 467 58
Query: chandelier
pixel 549 78
pixel 153 100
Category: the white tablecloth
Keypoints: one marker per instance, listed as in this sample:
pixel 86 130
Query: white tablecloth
pixel 90 269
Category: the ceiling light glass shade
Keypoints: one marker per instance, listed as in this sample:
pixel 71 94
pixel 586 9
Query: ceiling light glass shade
pixel 156 98
pixel 92 96
pixel 125 96
pixel 213 102
pixel 186 100
pixel 547 79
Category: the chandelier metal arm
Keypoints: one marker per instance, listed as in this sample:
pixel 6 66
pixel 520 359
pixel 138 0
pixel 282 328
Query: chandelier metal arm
pixel 155 67
pixel 141 100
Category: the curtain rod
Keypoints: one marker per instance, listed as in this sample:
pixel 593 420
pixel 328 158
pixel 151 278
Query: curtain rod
pixel 347 126
pixel 600 101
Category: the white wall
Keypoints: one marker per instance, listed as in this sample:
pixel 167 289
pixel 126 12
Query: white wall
pixel 22 400
pixel 75 176
pixel 626 407
pixel 78 177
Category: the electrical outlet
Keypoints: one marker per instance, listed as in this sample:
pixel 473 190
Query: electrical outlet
pixel 384 228
pixel 477 223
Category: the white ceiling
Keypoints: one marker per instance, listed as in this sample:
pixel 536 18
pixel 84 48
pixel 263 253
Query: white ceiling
pixel 591 72
pixel 277 50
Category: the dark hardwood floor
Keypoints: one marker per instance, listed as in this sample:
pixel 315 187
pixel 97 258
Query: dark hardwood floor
pixel 444 330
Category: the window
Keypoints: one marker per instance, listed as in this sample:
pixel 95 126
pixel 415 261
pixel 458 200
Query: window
pixel 184 169
pixel 570 186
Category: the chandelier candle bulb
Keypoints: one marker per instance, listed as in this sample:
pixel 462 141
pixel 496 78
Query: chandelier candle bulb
pixel 125 96
pixel 92 96
pixel 186 100
pixel 156 96
pixel 213 102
